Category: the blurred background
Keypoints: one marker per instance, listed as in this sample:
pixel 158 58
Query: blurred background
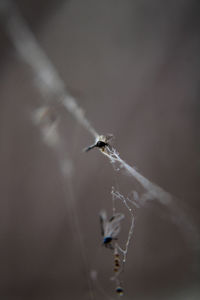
pixel 133 66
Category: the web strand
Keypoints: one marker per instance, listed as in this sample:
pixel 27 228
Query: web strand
pixel 31 53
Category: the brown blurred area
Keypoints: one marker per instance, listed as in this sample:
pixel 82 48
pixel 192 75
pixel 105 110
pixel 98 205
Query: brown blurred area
pixel 134 67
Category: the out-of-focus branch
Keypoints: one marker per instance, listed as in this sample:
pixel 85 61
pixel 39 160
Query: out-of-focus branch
pixel 31 53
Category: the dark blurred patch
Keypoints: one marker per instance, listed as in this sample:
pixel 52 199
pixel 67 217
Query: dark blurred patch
pixel 37 12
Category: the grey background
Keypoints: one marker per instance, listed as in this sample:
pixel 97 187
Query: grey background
pixel 134 68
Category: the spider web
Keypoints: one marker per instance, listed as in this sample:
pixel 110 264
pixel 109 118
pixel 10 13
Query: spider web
pixel 46 117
